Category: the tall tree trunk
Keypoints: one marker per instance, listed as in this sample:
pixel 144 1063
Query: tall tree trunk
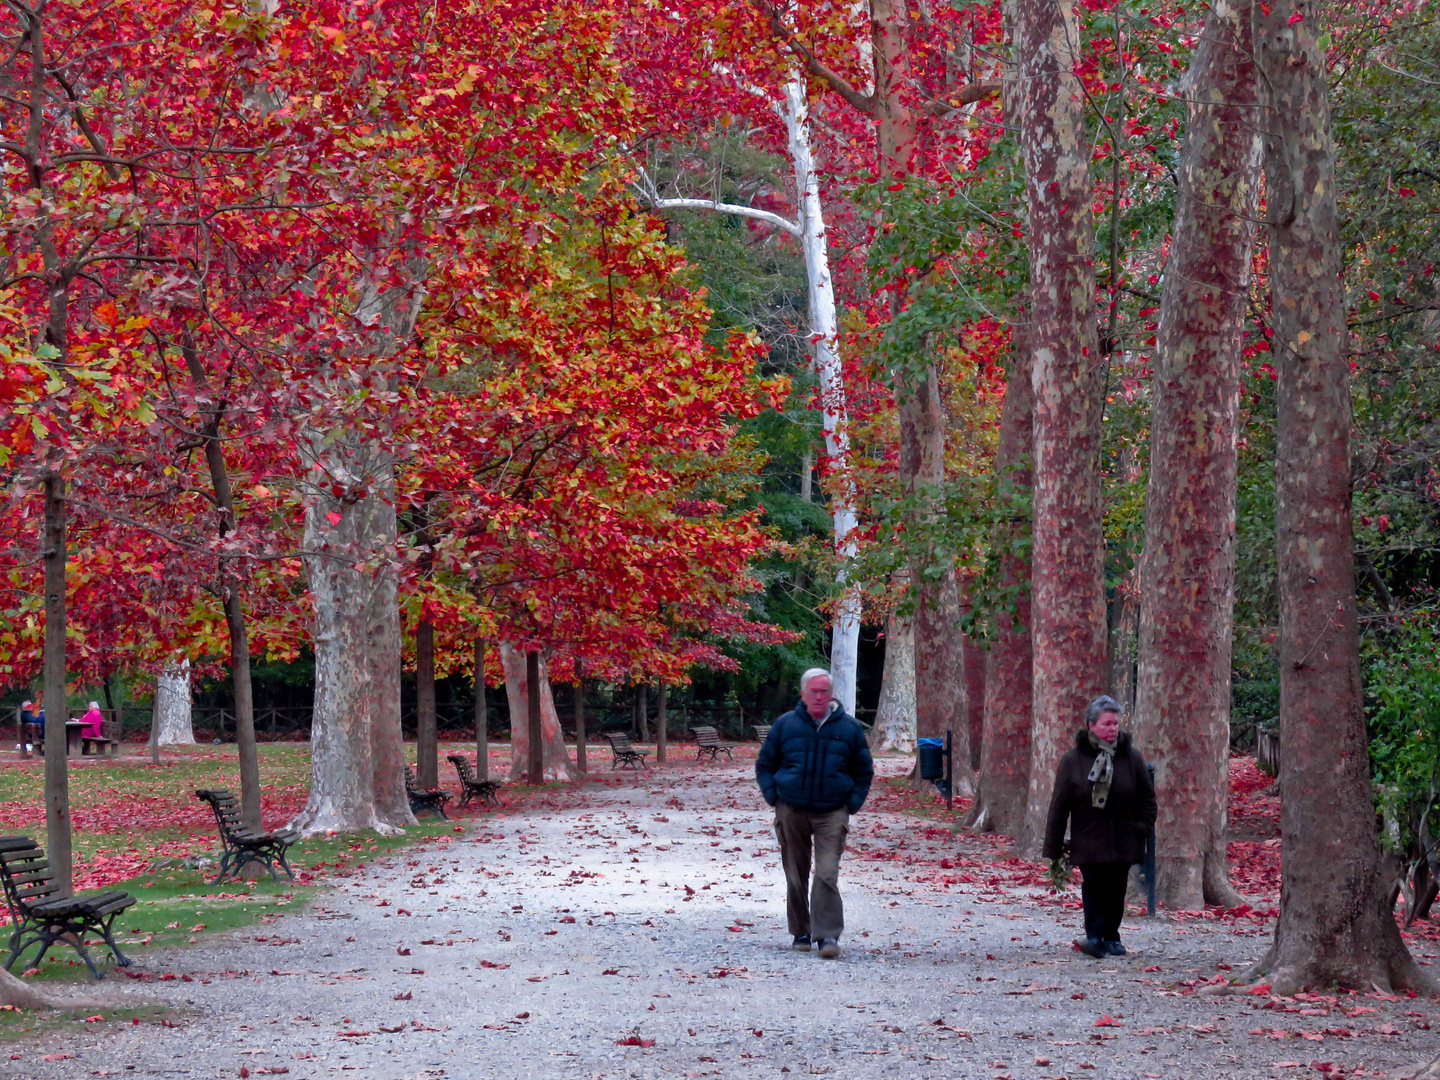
pixel 57 774
pixel 825 332
pixel 940 697
pixel 581 765
pixel 534 729
pixel 1004 779
pixel 974 697
pixel 1187 571
pixel 642 711
pixel 810 231
pixel 662 722
pixel 171 723
pixel 941 692
pixel 482 715
pixel 1123 641
pixel 247 751
pixel 1067 560
pixel 427 753
pixel 357 756
pixel 557 760
pixel 1336 925
pixel 230 595
pixel 941 704
pixel 387 740
pixel 894 727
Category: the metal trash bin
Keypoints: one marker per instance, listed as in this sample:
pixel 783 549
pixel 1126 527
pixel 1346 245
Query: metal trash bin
pixel 932 759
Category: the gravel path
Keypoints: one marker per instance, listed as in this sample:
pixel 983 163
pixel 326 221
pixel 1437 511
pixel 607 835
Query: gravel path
pixel 638 930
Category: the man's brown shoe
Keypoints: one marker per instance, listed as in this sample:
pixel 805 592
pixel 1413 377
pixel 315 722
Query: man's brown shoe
pixel 829 948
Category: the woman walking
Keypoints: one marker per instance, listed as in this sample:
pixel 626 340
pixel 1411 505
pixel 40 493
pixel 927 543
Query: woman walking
pixel 1103 790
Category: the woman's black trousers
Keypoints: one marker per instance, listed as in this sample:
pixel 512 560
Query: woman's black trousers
pixel 1102 890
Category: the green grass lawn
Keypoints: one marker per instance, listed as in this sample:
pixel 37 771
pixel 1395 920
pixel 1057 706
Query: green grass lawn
pixel 134 824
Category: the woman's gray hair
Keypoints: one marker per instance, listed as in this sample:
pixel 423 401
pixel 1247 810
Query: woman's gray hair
pixel 1103 703
pixel 812 673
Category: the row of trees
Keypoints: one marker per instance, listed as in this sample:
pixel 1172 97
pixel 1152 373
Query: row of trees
pixel 308 322
pixel 340 337
pixel 921 196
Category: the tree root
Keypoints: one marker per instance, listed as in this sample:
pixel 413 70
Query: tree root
pixel 1399 975
pixel 1425 1070
pixel 979 817
pixel 26 996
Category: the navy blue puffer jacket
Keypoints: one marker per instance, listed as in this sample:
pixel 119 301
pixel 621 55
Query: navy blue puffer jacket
pixel 816 768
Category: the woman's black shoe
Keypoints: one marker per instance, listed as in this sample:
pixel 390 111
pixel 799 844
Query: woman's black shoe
pixel 1092 947
pixel 1114 948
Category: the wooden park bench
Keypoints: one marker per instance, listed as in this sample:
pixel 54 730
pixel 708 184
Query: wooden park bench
pixel 708 741
pixel 424 798
pixel 107 742
pixel 762 731
pixel 241 845
pixel 472 787
pixel 36 915
pixel 622 754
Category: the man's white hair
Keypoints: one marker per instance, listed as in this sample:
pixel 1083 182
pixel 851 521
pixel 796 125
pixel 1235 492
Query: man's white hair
pixel 814 672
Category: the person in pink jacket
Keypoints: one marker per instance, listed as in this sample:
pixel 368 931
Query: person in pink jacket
pixel 94 722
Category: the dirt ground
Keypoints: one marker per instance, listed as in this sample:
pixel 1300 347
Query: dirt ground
pixel 638 930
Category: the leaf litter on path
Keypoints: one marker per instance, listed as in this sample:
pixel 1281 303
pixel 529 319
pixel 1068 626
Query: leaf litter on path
pixel 660 897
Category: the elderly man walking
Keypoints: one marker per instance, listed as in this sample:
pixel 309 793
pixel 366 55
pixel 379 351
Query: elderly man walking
pixel 815 770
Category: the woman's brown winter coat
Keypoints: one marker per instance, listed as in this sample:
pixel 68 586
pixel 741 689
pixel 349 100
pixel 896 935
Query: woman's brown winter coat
pixel 1115 834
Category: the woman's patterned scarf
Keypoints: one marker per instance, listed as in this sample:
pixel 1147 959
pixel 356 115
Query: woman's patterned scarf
pixel 1102 772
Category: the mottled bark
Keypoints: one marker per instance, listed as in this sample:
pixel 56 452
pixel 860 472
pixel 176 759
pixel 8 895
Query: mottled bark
pixel 825 333
pixel 534 725
pixel 941 700
pixel 482 716
pixel 1335 926
pixel 357 758
pixel 1003 781
pixel 1067 559
pixel 25 995
pixel 170 723
pixel 427 751
pixel 662 722
pixel 581 763
pixel 1123 640
pixel 974 697
pixel 356 753
pixel 1181 720
pixel 557 761
pixel 894 727
pixel 57 766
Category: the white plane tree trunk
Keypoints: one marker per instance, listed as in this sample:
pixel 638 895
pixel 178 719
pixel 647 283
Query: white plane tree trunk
pixel 517 691
pixel 895 715
pixel 809 230
pixel 171 724
pixel 825 335
pixel 357 755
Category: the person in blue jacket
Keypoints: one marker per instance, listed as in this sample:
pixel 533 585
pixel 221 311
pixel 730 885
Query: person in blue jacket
pixel 815 770
pixel 28 716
